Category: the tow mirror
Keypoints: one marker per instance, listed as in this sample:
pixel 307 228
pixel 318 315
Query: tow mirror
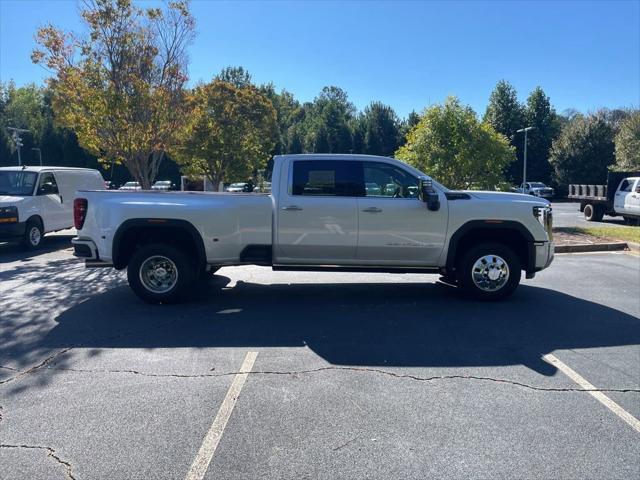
pixel 429 195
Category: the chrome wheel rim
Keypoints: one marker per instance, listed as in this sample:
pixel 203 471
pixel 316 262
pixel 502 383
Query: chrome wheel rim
pixel 158 274
pixel 35 236
pixel 490 273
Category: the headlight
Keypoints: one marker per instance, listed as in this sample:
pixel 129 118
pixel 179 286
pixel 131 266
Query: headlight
pixel 545 216
pixel 8 214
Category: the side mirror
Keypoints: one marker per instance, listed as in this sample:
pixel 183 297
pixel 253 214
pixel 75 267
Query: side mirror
pixel 429 195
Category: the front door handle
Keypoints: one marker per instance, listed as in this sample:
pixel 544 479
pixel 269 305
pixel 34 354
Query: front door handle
pixel 292 207
pixel 372 210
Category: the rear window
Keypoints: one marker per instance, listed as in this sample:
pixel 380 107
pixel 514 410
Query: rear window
pixel 326 178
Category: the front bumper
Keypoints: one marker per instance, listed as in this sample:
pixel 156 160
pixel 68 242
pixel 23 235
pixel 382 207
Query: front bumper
pixel 11 231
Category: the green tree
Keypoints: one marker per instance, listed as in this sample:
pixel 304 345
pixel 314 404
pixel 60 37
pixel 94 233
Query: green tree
pixel 287 113
pixel 327 123
pixel 627 143
pixel 542 116
pixel 507 115
pixel 381 130
pixel 236 76
pixel 231 132
pixel 583 151
pixel 451 145
pixel 121 88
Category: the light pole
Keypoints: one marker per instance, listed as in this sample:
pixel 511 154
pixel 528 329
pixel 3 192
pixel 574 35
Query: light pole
pixel 39 154
pixel 524 170
pixel 15 136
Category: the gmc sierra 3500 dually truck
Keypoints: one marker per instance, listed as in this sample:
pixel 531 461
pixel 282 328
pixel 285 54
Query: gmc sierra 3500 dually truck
pixel 325 213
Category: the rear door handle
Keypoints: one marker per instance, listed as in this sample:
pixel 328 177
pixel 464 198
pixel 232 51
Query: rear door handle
pixel 372 210
pixel 292 207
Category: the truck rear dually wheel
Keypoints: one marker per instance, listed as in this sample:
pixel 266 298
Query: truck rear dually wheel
pixel 593 213
pixel 490 271
pixel 160 273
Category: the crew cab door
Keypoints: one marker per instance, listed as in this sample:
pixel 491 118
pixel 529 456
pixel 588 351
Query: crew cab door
pixel 54 213
pixel 632 202
pixel 624 197
pixel 317 217
pixel 395 226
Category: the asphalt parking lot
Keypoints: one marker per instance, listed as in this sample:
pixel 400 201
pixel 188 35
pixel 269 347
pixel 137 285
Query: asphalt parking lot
pixel 567 214
pixel 318 375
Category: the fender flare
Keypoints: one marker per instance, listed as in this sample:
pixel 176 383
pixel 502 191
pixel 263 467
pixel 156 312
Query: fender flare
pixel 156 223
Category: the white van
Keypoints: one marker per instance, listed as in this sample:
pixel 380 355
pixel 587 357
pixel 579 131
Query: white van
pixel 38 200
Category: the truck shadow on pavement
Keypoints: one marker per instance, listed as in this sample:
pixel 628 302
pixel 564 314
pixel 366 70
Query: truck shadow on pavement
pixel 356 324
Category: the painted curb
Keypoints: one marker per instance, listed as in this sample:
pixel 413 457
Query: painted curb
pixel 591 247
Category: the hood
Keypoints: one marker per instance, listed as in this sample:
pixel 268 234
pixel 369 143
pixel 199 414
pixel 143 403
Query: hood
pixel 506 197
pixel 7 200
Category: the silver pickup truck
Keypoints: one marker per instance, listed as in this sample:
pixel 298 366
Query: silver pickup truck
pixel 325 212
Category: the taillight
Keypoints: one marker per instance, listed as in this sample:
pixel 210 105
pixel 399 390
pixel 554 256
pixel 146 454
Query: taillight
pixel 79 212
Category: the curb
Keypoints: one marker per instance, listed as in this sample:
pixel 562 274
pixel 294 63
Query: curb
pixel 591 247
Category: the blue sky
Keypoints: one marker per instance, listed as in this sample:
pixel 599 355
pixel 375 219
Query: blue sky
pixel 585 54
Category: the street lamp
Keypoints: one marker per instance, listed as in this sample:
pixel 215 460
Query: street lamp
pixel 15 136
pixel 524 171
pixel 39 154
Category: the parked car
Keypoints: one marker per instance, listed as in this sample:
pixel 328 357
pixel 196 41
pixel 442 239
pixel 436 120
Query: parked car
pixel 619 197
pixel 131 186
pixel 372 188
pixel 163 185
pixel 319 217
pixel 537 189
pixel 38 200
pixel 109 185
pixel 239 187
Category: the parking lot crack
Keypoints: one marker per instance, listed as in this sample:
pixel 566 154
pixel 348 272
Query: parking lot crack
pixel 378 371
pixel 42 364
pixel 51 453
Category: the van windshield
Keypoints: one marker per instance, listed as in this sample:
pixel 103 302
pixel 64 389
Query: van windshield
pixel 17 182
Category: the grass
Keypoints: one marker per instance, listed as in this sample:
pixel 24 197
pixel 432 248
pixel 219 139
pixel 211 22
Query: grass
pixel 629 234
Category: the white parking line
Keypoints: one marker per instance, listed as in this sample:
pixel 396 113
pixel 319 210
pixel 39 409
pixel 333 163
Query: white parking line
pixel 213 436
pixel 601 397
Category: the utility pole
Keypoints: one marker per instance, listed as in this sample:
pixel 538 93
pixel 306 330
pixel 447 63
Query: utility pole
pixel 15 136
pixel 39 154
pixel 524 171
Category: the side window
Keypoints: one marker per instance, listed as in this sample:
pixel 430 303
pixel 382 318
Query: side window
pixel 626 185
pixel 325 178
pixel 48 184
pixel 384 180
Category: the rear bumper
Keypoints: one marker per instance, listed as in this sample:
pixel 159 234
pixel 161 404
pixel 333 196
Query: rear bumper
pixel 11 231
pixel 85 248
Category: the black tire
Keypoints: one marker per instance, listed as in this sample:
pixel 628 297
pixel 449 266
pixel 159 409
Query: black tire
pixel 501 254
pixel 33 235
pixel 169 259
pixel 593 213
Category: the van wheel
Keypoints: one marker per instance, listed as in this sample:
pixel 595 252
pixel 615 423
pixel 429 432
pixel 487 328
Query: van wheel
pixel 33 234
pixel 490 271
pixel 160 273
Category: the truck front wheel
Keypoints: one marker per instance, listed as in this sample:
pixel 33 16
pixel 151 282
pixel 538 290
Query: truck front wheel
pixel 593 213
pixel 490 271
pixel 160 273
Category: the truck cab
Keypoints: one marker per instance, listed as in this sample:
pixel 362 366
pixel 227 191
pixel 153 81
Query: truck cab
pixel 626 201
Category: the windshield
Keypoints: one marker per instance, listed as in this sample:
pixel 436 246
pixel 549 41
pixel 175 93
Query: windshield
pixel 17 182
pixel 163 182
pixel 131 184
pixel 237 184
pixel 537 185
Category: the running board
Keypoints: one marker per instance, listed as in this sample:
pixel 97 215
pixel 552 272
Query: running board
pixel 352 269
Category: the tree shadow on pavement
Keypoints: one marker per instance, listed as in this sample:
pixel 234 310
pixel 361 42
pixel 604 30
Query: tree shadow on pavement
pixel 367 324
pixel 14 251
